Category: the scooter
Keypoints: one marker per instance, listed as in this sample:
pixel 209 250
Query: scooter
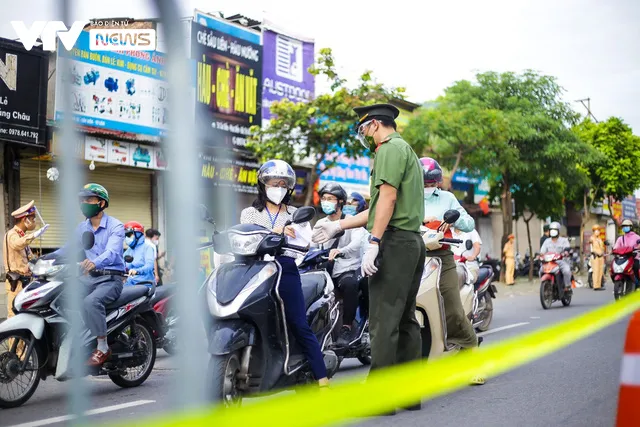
pixel 162 305
pixel 360 346
pixel 552 287
pixel 250 347
pixel 429 302
pixel 622 274
pixel 35 343
pixel 485 291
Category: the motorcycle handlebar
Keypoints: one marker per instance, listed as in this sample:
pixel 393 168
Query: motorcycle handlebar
pixel 454 241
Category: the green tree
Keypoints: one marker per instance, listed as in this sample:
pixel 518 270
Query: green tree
pixel 613 171
pixel 316 129
pixel 514 125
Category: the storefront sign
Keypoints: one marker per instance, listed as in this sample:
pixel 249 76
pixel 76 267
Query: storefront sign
pixel 228 89
pixel 124 153
pixel 285 70
pixel 352 174
pixel 23 94
pixel 629 208
pixel 122 91
pixel 241 175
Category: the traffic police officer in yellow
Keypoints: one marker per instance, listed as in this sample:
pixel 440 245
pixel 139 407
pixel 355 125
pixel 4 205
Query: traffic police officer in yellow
pixel 16 250
pixel 394 258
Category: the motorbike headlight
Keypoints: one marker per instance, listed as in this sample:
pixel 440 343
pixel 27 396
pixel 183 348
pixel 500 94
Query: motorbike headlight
pixel 430 268
pixel 245 244
pixel 45 267
pixel 549 257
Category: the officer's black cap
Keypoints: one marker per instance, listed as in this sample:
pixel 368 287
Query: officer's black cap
pixel 376 111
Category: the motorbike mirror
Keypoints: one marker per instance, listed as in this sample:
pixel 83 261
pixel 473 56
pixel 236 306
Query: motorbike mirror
pixel 205 215
pixel 468 244
pixel 221 243
pixel 88 240
pixel 451 216
pixel 128 258
pixel 304 214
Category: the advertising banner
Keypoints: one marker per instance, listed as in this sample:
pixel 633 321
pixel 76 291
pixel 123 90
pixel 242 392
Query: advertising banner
pixel 285 70
pixel 228 90
pixel 122 91
pixel 351 174
pixel 124 153
pixel 629 208
pixel 23 94
pixel 240 175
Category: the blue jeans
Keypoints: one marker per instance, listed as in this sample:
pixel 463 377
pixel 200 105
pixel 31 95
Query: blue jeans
pixel 290 291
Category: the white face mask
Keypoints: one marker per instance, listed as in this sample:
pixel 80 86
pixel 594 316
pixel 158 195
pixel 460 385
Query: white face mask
pixel 155 242
pixel 429 191
pixel 276 194
pixel 553 233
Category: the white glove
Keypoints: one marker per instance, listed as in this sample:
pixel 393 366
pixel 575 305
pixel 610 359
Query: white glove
pixel 325 231
pixel 368 260
pixel 41 231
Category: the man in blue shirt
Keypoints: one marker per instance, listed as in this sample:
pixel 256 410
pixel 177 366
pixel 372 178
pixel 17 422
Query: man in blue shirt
pixel 106 255
pixel 142 268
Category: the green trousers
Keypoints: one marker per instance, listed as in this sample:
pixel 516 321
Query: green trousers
pixel 393 328
pixel 459 329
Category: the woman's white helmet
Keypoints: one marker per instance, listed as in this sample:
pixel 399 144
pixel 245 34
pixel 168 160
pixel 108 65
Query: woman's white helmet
pixel 554 229
pixel 277 169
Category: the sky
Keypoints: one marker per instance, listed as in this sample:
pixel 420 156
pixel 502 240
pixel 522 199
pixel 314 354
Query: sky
pixel 591 46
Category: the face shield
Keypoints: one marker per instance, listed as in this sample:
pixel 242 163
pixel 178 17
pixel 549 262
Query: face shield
pixel 366 141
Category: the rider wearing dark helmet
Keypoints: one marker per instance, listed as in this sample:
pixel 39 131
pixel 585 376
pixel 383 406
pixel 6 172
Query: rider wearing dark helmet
pixel 346 268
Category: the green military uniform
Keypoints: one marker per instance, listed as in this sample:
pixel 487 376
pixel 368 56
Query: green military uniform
pixel 394 330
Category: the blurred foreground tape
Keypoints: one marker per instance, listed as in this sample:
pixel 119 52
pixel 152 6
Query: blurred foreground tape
pixel 399 386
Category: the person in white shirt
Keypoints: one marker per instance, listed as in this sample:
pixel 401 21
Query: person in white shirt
pixel 346 268
pixel 470 256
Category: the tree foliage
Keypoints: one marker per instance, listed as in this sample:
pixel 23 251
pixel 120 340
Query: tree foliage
pixel 311 131
pixel 512 128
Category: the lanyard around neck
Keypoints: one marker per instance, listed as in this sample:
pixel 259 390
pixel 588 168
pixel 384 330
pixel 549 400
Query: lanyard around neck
pixel 273 219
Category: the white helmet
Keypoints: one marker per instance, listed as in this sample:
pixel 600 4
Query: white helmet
pixel 277 169
pixel 554 226
pixel 627 222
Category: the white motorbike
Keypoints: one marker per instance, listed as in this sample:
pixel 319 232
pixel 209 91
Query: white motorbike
pixel 430 311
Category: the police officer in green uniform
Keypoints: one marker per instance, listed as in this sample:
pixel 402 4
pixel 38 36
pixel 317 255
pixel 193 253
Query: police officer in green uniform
pixel 393 219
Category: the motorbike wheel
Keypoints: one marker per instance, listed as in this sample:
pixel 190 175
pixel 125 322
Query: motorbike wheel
pixel 170 348
pixel 546 294
pixel 487 314
pixel 590 280
pixel 629 287
pixel 365 360
pixel 222 377
pixel 618 288
pixel 9 365
pixel 566 299
pixel 142 338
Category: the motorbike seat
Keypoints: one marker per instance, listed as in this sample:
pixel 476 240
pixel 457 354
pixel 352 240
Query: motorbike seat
pixel 162 292
pixel 130 293
pixel 312 287
pixel 462 275
pixel 485 271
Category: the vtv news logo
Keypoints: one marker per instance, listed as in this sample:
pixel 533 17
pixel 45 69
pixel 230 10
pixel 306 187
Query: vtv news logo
pixel 101 39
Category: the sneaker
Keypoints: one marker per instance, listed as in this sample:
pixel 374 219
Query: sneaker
pixel 345 337
pixel 478 380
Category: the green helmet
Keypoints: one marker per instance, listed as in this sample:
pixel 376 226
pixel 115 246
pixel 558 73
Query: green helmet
pixel 95 190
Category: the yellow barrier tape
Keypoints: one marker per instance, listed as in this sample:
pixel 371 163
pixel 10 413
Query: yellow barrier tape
pixel 403 385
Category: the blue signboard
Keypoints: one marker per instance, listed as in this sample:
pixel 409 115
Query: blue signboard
pixel 629 208
pixel 122 91
pixel 227 28
pixel 352 174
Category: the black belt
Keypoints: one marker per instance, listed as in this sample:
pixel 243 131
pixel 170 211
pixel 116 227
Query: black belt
pixel 394 229
pixel 106 272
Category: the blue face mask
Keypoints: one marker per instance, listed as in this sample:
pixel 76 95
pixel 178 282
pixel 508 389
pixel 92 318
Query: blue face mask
pixel 349 210
pixel 328 207
pixel 626 229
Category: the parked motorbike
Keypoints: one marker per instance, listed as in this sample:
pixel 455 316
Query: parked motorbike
pixel 622 274
pixel 493 263
pixel 161 302
pixel 574 257
pixel 360 346
pixel 552 287
pixel 36 344
pixel 482 310
pixel 251 349
pixel 526 265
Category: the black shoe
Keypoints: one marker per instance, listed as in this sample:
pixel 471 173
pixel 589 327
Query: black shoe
pixel 345 337
pixel 416 407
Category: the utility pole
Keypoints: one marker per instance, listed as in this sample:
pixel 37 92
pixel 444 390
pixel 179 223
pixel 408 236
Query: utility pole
pixel 588 107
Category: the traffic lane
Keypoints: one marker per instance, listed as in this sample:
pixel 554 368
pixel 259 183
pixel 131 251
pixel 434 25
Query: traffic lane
pixel 574 387
pixel 50 398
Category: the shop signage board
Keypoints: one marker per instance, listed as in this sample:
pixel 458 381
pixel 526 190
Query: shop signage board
pixel 23 94
pixel 121 91
pixel 238 174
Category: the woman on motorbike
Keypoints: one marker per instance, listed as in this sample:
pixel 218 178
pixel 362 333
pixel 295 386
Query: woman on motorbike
pixel 436 203
pixel 142 268
pixel 628 242
pixel 276 183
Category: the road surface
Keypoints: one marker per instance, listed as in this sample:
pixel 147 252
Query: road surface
pixel 577 386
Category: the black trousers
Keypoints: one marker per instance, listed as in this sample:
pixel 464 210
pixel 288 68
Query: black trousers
pixel 348 285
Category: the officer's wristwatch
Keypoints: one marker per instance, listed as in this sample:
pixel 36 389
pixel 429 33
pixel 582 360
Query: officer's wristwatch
pixel 374 239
